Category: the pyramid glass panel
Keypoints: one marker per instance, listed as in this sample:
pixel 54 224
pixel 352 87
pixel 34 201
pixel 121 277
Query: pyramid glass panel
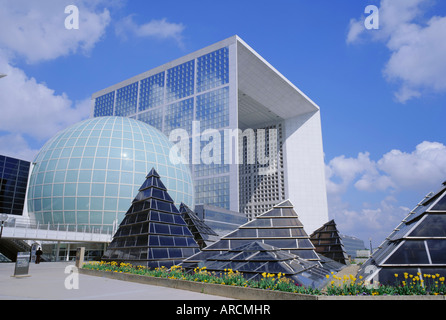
pixel 441 204
pixel 417 245
pixel 328 243
pixel 266 228
pixel 254 258
pixel 153 232
pixel 203 234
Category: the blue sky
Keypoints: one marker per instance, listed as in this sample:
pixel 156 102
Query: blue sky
pixel 382 92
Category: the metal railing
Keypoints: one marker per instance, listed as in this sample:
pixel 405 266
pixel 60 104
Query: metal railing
pixel 28 229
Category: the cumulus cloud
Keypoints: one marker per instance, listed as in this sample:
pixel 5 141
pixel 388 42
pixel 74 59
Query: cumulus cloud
pixel 395 173
pixel 396 170
pixel 31 108
pixel 15 145
pixel 161 29
pixel 36 29
pixel 416 44
pixel 31 112
pixel 373 222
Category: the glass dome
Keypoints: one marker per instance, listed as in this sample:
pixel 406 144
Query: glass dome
pixel 89 173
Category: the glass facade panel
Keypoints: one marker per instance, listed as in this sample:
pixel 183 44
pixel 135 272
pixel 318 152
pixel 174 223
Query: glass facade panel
pixel 180 81
pixel 410 252
pixel 437 249
pixel 197 90
pixel 151 92
pixel 212 109
pixel 213 69
pixel 433 225
pixel 153 117
pixel 13 183
pixel 126 99
pixel 213 191
pixel 179 115
pixel 440 205
pixel 104 105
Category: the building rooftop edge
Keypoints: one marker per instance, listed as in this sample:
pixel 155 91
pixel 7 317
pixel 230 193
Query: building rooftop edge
pixel 235 39
pixel 185 58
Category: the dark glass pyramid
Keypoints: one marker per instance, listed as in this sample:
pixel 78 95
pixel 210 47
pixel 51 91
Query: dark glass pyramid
pixel 417 244
pixel 254 258
pixel 202 233
pixel 328 242
pixel 278 227
pixel 153 233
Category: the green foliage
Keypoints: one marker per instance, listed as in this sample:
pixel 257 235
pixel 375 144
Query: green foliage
pixel 346 285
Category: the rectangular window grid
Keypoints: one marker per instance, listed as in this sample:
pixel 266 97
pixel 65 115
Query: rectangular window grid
pixel 153 117
pixel 103 105
pixel 179 115
pixel 213 191
pixel 151 92
pixel 13 183
pixel 213 109
pixel 126 98
pixel 180 81
pixel 213 70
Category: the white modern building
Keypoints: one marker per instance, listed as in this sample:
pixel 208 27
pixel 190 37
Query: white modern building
pixel 277 152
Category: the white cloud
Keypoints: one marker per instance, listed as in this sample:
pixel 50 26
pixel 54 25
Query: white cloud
pixel 355 29
pixel 31 112
pixel 395 173
pixel 161 29
pixel 420 169
pixel 416 43
pixel 396 170
pixel 373 221
pixel 14 145
pixel 31 108
pixel 36 29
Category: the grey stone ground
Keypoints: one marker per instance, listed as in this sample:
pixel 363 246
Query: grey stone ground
pixel 47 282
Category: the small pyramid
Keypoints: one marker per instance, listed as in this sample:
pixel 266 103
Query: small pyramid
pixel 254 258
pixel 153 233
pixel 328 242
pixel 203 234
pixel 278 227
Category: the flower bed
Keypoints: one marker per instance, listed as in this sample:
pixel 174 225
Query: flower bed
pixel 412 285
pixel 268 281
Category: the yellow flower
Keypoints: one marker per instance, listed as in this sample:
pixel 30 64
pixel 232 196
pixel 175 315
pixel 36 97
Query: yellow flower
pixel 327 276
pixel 396 275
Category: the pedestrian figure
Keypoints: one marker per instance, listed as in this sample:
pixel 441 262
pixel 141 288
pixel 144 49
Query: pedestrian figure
pixel 39 252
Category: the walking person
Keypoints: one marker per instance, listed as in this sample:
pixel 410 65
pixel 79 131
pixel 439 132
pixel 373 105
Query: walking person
pixel 39 252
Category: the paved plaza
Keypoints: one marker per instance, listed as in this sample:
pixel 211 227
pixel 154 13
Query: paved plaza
pixel 47 281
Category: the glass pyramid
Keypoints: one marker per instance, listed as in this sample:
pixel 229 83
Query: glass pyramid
pixel 153 233
pixel 203 234
pixel 417 244
pixel 254 258
pixel 278 227
pixel 328 243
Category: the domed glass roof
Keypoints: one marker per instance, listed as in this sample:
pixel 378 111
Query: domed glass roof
pixel 89 173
